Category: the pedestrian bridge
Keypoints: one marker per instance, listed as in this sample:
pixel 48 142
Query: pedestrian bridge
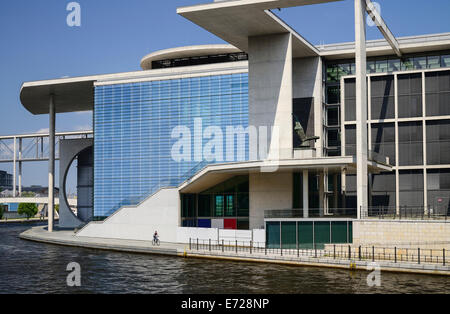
pixel 35 200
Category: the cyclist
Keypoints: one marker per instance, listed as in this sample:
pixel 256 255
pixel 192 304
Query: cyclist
pixel 155 237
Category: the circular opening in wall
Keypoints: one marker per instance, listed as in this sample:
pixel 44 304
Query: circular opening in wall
pixel 70 186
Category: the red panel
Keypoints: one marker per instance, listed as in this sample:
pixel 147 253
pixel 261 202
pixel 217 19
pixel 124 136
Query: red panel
pixel 230 224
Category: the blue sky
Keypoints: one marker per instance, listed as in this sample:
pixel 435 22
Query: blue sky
pixel 115 34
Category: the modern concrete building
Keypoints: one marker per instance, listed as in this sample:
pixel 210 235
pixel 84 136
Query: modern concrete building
pixel 269 132
pixel 6 180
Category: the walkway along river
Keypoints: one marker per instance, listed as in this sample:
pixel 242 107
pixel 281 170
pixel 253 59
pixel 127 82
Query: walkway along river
pixel 29 267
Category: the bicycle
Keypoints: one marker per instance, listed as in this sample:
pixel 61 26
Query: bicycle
pixel 156 242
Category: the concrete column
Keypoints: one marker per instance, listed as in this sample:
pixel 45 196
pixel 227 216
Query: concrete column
pixel 51 164
pixel 305 193
pixel 361 107
pixel 14 168
pixel 20 166
pixel 335 191
pixel 321 193
pixel 270 94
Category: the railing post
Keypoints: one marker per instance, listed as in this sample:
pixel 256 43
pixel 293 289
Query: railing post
pixel 223 245
pixel 251 244
pixel 197 244
pixel 395 254
pixel 418 255
pixel 443 256
pixel 265 249
pixel 315 250
pixel 236 247
pixel 190 245
pixel 373 253
pixel 209 245
pixel 359 252
pixel 349 252
pixel 334 251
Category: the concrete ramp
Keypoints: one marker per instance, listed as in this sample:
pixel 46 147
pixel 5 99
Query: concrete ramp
pixel 158 212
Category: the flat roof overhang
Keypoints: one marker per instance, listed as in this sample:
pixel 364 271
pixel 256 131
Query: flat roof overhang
pixel 77 93
pixel 186 52
pixel 380 47
pixel 70 95
pixel 235 21
pixel 217 173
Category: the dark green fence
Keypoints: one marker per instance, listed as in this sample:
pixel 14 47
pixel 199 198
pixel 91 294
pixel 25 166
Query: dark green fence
pixel 307 234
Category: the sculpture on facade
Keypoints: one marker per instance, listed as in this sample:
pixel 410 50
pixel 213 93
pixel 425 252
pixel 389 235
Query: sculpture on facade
pixel 305 141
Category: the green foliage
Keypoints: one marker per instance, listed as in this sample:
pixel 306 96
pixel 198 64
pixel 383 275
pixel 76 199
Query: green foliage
pixel 2 209
pixel 28 194
pixel 57 208
pixel 28 209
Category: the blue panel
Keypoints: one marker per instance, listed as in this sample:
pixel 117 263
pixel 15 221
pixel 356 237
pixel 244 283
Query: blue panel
pixel 204 223
pixel 133 126
pixel 13 207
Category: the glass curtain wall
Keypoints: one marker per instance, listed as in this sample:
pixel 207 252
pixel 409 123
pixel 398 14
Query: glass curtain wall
pixel 133 126
pixel 224 206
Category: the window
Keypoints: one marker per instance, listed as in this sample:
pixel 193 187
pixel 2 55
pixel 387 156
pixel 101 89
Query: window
pixel 438 142
pixel 383 101
pixel 350 99
pixel 439 191
pixel 409 95
pixel 410 143
pixel 333 95
pixel 411 188
pixel 383 140
pixel 383 190
pixel 438 93
pixel 219 205
pixel 333 138
pixel 230 210
pixel 433 62
pixel 333 116
pixel 394 65
pixel 445 60
pixel 350 140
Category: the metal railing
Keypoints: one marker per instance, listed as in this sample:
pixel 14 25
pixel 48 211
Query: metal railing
pixel 405 212
pixel 331 251
pixel 312 213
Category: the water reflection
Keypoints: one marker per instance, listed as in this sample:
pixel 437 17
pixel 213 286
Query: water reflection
pixel 27 267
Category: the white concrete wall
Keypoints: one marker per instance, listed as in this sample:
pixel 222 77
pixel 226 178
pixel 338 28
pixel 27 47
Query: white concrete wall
pixel 270 90
pixel 307 82
pixel 160 212
pixel 401 233
pixel 268 191
pixel 228 236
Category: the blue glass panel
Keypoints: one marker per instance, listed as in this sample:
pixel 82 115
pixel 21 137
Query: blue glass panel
pixel 133 126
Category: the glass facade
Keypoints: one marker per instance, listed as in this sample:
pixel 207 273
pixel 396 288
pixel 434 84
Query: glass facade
pixel 133 126
pixel 410 125
pixel 225 205
pixel 382 93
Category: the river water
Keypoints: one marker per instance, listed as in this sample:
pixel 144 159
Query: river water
pixel 28 267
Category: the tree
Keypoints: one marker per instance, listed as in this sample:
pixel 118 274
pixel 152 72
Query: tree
pixel 28 209
pixel 28 194
pixel 2 209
